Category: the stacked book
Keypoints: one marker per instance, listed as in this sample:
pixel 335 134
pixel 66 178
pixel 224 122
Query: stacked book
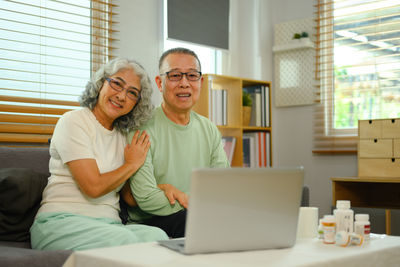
pixel 260 116
pixel 256 149
pixel 218 106
pixel 229 143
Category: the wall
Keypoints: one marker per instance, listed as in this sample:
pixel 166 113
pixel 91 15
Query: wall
pixel 140 35
pixel 292 132
pixel 250 56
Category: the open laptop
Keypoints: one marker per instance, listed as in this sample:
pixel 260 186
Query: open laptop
pixel 236 209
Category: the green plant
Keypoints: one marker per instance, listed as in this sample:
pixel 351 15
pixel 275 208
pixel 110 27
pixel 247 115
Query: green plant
pixel 247 101
pixel 304 35
pixel 297 36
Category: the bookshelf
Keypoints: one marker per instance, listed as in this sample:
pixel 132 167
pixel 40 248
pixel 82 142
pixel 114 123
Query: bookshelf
pixel 234 126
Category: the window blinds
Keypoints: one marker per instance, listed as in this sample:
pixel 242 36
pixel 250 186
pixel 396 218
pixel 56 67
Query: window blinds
pixel 357 69
pixel 48 50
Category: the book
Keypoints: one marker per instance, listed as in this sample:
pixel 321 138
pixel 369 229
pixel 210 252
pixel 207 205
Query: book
pixel 249 151
pixel 268 149
pixel 229 143
pixel 267 122
pixel 255 150
pixel 246 151
pixel 256 110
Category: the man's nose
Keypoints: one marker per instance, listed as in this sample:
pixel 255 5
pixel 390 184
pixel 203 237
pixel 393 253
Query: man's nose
pixel 184 81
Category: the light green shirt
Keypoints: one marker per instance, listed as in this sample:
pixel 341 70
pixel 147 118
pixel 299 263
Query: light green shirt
pixel 175 150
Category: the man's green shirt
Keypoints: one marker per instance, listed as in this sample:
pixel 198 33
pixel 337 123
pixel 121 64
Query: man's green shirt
pixel 175 150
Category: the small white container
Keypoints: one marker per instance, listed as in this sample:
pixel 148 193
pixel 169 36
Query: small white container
pixel 344 216
pixel 362 226
pixel 329 226
pixel 320 230
pixel 345 239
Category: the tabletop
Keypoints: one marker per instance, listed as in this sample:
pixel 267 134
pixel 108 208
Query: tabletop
pixel 380 250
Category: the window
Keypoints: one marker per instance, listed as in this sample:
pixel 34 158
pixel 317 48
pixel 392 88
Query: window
pixel 358 68
pixel 48 51
pixel 210 58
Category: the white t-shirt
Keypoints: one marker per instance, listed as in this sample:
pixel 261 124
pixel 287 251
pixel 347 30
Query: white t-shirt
pixel 78 135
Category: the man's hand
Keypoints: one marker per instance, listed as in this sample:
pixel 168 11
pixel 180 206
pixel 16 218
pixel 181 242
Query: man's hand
pixel 173 194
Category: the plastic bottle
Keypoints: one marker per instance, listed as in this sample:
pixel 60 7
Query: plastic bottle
pixel 320 230
pixel 345 239
pixel 362 225
pixel 344 216
pixel 329 226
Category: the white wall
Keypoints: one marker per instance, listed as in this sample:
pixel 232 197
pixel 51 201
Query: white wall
pixel 140 35
pixel 250 56
pixel 292 126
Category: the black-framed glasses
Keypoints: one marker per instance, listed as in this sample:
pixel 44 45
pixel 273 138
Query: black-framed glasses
pixel 131 92
pixel 175 76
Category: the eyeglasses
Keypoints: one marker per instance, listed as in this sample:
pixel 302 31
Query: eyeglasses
pixel 177 75
pixel 132 93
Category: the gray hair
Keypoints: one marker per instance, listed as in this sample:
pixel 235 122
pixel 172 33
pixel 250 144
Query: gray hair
pixel 177 50
pixel 140 113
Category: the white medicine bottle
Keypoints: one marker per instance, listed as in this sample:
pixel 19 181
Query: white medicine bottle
pixel 362 225
pixel 344 216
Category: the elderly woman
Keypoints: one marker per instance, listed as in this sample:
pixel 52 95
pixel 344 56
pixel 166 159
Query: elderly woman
pixel 90 162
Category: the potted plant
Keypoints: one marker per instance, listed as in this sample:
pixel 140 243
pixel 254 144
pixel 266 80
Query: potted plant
pixel 247 103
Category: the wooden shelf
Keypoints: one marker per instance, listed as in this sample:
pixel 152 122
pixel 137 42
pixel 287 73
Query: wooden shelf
pixel 234 127
pixel 304 43
pixel 368 193
pixel 255 128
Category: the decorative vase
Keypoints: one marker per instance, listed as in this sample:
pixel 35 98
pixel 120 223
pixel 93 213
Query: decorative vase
pixel 246 115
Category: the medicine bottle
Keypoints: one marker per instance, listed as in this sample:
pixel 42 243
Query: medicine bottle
pixel 320 230
pixel 344 216
pixel 345 239
pixel 362 225
pixel 328 226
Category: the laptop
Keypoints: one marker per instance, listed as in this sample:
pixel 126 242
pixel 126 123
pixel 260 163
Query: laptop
pixel 237 209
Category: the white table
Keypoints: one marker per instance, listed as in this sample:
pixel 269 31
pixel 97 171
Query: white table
pixel 381 250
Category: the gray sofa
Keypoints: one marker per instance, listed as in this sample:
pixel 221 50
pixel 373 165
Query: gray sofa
pixel 23 176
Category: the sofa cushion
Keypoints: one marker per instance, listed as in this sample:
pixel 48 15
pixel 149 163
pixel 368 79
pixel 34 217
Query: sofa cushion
pixel 20 195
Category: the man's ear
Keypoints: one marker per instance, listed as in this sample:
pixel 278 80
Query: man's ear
pixel 159 83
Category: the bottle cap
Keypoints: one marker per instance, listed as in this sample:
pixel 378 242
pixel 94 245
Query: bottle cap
pixel 329 218
pixel 343 204
pixel 361 217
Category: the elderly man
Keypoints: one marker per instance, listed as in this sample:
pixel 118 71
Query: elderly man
pixel 181 140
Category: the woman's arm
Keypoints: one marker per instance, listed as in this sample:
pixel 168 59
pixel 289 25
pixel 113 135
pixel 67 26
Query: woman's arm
pixel 127 196
pixel 95 184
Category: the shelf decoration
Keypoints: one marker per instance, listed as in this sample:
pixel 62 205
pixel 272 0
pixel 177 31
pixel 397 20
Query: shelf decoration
pixel 294 62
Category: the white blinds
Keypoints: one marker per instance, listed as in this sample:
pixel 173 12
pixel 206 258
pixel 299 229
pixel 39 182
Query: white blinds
pixel 357 68
pixel 48 49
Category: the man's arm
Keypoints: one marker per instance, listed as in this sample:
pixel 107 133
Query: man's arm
pixel 149 197
pixel 171 192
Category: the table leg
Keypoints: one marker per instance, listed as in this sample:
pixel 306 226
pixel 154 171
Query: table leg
pixel 388 219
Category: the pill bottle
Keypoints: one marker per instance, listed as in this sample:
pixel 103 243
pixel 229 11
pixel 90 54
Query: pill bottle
pixel 362 225
pixel 345 239
pixel 320 230
pixel 328 226
pixel 344 216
